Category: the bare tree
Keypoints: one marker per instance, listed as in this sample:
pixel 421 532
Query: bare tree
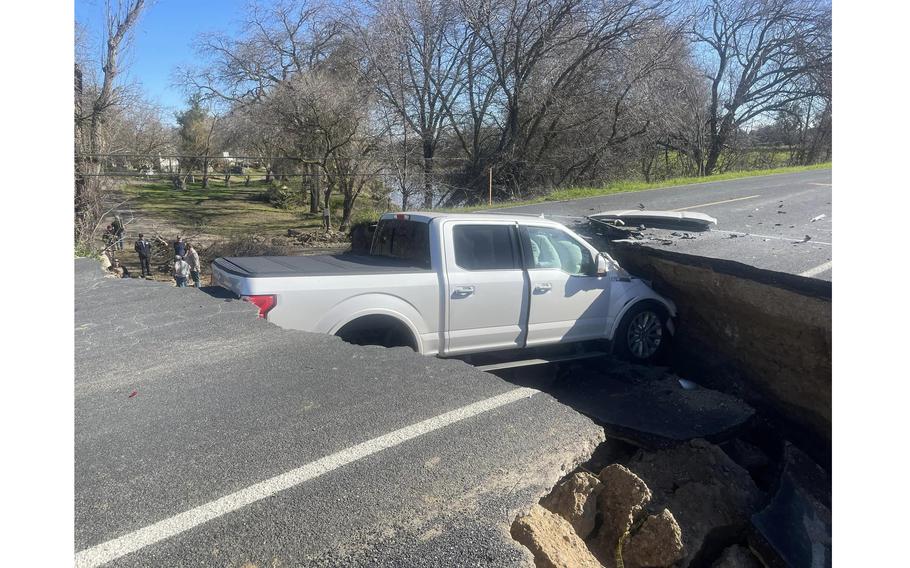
pixel 330 111
pixel 755 56
pixel 414 50
pixel 94 106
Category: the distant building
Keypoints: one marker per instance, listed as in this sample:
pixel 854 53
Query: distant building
pixel 168 164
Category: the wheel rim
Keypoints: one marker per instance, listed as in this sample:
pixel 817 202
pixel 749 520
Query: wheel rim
pixel 645 333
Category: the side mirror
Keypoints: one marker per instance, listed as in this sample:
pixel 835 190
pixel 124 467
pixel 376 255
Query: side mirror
pixel 601 267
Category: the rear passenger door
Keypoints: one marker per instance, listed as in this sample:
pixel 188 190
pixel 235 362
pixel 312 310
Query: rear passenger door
pixel 568 301
pixel 486 288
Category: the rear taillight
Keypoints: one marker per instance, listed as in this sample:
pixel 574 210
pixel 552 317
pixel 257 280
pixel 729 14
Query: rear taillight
pixel 264 302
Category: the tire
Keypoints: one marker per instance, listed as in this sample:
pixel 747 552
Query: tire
pixel 642 335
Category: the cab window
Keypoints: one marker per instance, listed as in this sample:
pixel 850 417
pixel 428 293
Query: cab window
pixel 552 248
pixel 485 247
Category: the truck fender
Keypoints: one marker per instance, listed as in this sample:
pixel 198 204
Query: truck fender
pixel 374 304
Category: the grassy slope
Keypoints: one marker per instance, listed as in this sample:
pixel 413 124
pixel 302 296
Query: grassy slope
pixel 221 211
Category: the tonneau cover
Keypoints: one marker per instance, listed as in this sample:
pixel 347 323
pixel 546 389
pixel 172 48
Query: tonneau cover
pixel 315 265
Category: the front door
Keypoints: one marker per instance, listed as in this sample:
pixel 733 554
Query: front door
pixel 486 288
pixel 568 301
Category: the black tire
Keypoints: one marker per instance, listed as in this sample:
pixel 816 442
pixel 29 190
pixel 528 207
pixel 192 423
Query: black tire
pixel 640 328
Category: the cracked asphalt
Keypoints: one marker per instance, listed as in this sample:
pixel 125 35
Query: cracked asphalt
pixel 182 398
pixel 761 221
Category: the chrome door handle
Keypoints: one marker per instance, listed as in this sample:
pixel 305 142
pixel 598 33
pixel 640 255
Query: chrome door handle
pixel 462 291
pixel 542 288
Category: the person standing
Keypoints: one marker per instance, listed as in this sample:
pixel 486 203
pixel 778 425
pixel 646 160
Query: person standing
pixel 117 226
pixel 180 247
pixel 144 249
pixel 181 271
pixel 192 258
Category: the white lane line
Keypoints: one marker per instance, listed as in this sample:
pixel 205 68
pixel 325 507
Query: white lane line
pixel 823 184
pixel 131 542
pixel 774 237
pixel 716 203
pixel 817 270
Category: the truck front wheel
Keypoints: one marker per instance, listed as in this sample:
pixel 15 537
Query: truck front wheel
pixel 642 335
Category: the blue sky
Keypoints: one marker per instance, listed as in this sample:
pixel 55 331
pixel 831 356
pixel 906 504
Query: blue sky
pixel 163 39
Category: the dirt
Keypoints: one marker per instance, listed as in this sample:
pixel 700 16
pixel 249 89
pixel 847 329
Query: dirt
pixel 683 506
pixel 552 540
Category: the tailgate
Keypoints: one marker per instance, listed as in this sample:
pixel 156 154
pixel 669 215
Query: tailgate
pixel 232 276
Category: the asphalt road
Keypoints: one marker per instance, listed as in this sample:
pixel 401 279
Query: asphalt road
pixel 206 437
pixel 762 221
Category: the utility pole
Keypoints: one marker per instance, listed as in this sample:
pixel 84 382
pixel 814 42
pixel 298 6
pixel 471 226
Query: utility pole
pixel 491 186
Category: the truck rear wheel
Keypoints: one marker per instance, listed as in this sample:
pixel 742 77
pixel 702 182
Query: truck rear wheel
pixel 378 329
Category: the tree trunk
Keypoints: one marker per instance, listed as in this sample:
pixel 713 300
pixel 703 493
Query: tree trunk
pixel 347 208
pixel 314 178
pixel 427 173
pixel 205 173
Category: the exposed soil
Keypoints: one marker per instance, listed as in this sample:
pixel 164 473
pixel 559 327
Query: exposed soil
pixel 684 506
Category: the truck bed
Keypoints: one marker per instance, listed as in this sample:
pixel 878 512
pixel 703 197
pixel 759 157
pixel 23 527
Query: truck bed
pixel 315 265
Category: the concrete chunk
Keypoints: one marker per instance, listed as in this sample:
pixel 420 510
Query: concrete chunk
pixel 575 500
pixel 552 540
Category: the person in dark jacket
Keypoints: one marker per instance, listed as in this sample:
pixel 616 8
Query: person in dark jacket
pixel 179 247
pixel 118 229
pixel 144 249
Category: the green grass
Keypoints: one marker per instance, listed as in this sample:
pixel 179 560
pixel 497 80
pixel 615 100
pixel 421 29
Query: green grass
pixel 226 211
pixel 631 186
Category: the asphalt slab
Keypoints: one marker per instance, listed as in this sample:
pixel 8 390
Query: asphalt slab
pixel 182 398
pixel 763 221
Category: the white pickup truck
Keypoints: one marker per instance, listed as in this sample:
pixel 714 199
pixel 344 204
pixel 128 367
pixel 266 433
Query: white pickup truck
pixel 456 284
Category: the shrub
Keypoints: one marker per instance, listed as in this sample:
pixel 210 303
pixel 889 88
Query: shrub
pixel 279 196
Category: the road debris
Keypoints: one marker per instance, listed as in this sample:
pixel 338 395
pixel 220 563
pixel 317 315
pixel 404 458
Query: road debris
pixel 795 528
pixel 649 407
pixel 552 541
pixel 654 219
pixel 677 507
pixel 817 218
pixel 688 385
pixel 132 394
pixel 575 499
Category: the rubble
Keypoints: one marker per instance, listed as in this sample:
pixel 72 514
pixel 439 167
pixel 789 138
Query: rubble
pixel 552 541
pixel 683 220
pixel 795 528
pixel 737 556
pixel 657 543
pixel 650 407
pixel 685 506
pixel 622 499
pixel 575 500
pixel 318 237
pixel 712 498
